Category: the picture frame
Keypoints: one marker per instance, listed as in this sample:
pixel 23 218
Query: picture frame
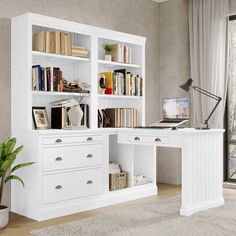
pixel 40 118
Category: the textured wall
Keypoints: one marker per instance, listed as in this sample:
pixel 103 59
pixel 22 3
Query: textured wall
pixel 174 70
pixel 133 16
pixel 232 6
pixel 5 86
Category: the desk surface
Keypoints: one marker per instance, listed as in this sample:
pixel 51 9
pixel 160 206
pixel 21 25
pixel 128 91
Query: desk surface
pixel 125 130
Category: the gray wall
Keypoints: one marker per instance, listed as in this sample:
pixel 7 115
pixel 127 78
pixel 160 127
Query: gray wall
pixel 174 70
pixel 133 16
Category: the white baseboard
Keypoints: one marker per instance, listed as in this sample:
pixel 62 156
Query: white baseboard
pixel 187 211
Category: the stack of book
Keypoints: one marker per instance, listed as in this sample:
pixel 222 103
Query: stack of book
pixel 121 82
pixel 47 78
pixel 57 42
pixel 121 53
pixel 59 113
pixel 121 117
pixel 79 51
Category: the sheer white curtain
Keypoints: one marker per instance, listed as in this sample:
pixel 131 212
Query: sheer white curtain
pixel 207 35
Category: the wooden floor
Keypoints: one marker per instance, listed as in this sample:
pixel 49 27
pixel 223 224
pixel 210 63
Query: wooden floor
pixel 21 226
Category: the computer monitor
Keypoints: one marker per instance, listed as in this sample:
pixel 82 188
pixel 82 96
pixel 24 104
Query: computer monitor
pixel 175 108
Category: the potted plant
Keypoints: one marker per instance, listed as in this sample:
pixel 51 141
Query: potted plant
pixel 8 154
pixel 108 48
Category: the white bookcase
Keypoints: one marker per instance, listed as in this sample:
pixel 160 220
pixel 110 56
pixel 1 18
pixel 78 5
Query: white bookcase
pixel 51 189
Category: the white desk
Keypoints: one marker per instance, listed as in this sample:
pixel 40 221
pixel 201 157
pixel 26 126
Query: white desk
pixel 202 162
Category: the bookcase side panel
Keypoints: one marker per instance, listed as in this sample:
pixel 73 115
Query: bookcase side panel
pixel 20 74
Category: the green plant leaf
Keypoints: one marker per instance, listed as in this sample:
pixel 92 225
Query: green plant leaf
pixel 7 163
pixel 21 165
pixel 4 152
pixel 10 145
pixel 6 140
pixel 11 177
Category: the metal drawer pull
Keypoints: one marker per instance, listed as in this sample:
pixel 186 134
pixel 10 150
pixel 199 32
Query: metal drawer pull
pixel 90 182
pixel 58 159
pixel 58 141
pixel 89 156
pixel 58 187
pixel 136 138
pixel 89 139
pixel 157 139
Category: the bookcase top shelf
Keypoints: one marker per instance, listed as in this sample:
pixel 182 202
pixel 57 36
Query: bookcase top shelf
pixel 118 96
pixel 58 56
pixel 48 93
pixel 112 63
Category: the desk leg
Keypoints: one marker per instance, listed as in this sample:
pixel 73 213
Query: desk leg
pixel 202 172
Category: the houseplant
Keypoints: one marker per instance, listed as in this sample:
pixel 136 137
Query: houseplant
pixel 108 48
pixel 8 154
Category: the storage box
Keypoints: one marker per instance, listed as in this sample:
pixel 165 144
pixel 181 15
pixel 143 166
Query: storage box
pixel 118 181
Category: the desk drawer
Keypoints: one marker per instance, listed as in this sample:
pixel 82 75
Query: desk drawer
pixel 147 139
pixel 65 186
pixel 58 158
pixel 72 139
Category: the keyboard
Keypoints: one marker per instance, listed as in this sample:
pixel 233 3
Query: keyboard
pixel 171 121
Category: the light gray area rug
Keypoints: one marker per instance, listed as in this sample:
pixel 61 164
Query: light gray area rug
pixel 159 218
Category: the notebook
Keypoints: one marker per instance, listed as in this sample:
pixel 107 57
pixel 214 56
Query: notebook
pixel 175 112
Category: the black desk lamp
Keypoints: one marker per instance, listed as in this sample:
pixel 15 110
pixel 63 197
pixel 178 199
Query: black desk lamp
pixel 189 85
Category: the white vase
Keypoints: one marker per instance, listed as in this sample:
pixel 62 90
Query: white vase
pixel 75 115
pixel 107 57
pixel 4 216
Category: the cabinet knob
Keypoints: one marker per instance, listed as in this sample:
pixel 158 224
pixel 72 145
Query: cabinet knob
pixel 136 138
pixel 58 159
pixel 89 139
pixel 89 182
pixel 157 139
pixel 89 156
pixel 58 187
pixel 58 141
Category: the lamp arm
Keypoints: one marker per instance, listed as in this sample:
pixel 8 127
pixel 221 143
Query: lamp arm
pixel 211 95
pixel 206 121
pixel 203 91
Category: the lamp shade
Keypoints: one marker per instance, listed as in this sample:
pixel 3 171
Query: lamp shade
pixel 187 85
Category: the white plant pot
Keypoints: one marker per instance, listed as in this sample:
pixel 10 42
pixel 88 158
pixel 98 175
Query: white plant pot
pixel 107 57
pixel 4 216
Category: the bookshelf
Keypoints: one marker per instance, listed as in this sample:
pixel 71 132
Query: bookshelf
pixel 100 143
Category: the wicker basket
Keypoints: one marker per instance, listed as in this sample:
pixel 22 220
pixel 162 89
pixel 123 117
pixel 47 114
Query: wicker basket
pixel 118 181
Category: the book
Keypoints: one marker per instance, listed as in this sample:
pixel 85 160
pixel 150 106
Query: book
pixel 123 81
pixel 62 42
pixel 50 42
pixel 58 120
pixel 116 53
pixel 39 41
pixel 57 42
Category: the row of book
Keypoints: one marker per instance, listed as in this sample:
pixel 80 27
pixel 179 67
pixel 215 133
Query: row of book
pixel 59 114
pixel 118 117
pixel 121 53
pixel 120 82
pixel 57 42
pixel 47 78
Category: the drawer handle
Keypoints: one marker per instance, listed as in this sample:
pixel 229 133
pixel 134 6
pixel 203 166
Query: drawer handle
pixel 157 139
pixel 58 187
pixel 89 139
pixel 90 182
pixel 136 138
pixel 58 159
pixel 89 156
pixel 58 141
